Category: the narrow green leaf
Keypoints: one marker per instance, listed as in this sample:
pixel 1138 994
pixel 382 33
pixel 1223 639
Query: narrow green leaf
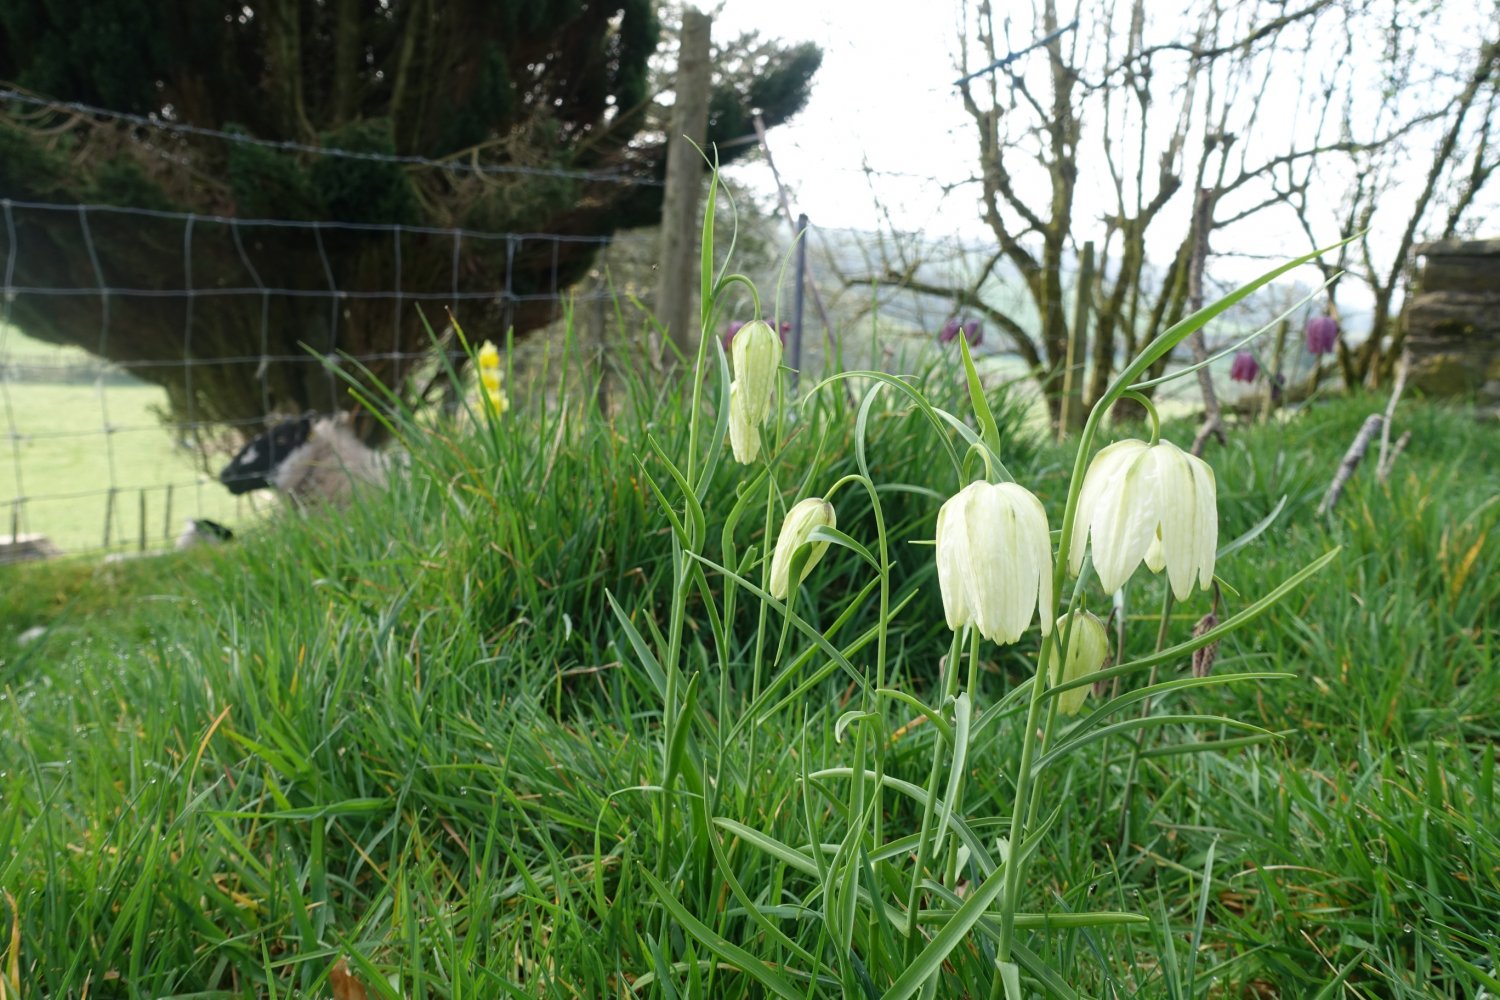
pixel 932 715
pixel 1128 725
pixel 638 645
pixel 989 431
pixel 834 536
pixel 931 958
pixel 1183 649
pixel 1255 531
pixel 1190 369
pixel 912 393
pixel 737 956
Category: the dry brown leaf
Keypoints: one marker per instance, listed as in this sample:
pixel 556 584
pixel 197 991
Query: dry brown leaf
pixel 345 985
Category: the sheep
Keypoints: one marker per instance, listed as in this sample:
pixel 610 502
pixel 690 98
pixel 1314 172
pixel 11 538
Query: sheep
pixel 202 531
pixel 312 461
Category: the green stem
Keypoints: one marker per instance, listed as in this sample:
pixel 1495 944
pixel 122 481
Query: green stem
pixel 760 624
pixel 1014 865
pixel 929 809
pixel 1135 753
pixel 950 869
pixel 1150 409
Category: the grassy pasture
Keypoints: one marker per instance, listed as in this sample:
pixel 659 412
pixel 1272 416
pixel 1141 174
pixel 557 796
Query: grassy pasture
pixel 414 739
pixel 74 439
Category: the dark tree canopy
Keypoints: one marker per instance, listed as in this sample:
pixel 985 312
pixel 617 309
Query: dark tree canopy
pixel 562 85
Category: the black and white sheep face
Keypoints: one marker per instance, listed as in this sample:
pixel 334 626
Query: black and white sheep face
pixel 254 468
pixel 202 531
pixel 311 461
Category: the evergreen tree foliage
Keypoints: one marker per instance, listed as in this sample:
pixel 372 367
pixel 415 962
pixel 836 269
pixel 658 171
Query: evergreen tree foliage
pixel 566 85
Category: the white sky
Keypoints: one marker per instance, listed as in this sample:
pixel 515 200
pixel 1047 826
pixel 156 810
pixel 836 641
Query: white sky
pixel 885 96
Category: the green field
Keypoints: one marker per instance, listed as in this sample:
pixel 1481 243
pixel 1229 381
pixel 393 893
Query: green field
pixel 67 444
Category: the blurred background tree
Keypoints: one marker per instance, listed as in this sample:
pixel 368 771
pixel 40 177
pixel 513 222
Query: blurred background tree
pixel 565 90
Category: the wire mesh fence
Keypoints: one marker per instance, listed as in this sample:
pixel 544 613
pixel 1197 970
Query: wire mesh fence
pixel 139 346
pixel 95 456
pixel 92 455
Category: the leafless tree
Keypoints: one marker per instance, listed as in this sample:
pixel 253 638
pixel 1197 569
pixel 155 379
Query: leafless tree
pixel 1147 133
pixel 1437 111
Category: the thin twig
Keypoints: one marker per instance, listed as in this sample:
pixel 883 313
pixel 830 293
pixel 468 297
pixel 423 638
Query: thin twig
pixel 1212 422
pixel 1351 460
pixel 1382 467
pixel 1385 472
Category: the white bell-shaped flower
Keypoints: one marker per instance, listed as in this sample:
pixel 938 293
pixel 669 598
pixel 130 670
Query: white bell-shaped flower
pixel 805 515
pixel 1153 503
pixel 744 429
pixel 756 354
pixel 1088 648
pixel 994 560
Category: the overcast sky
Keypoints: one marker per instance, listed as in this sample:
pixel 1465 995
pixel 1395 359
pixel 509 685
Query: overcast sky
pixel 885 97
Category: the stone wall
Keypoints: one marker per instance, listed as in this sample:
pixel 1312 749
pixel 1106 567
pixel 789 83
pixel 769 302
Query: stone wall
pixel 1453 320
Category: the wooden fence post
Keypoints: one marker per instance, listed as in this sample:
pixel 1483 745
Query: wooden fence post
pixel 678 270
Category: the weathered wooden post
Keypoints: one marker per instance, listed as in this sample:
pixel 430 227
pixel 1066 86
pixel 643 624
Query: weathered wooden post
pixel 678 263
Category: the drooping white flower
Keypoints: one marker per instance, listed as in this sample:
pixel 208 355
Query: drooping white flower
pixel 756 353
pixel 1088 648
pixel 994 560
pixel 805 515
pixel 744 429
pixel 1152 503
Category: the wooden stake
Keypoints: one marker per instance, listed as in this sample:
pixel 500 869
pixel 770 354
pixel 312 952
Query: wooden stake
pixel 1071 410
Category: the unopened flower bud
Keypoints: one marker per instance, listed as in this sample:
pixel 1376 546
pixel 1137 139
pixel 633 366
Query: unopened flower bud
pixel 1088 649
pixel 801 520
pixel 756 350
pixel 1203 658
pixel 744 429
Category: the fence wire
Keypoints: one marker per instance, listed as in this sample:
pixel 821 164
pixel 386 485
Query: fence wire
pixel 90 463
pixel 90 460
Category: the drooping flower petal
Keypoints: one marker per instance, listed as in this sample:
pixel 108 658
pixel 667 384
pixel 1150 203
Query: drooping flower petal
pixel 1244 368
pixel 1148 503
pixel 994 559
pixel 1103 478
pixel 1322 334
pixel 972 330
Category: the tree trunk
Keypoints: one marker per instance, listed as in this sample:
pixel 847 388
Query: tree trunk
pixel 679 220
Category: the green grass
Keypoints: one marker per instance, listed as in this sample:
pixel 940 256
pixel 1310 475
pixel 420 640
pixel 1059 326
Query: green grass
pixel 77 440
pixel 415 736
